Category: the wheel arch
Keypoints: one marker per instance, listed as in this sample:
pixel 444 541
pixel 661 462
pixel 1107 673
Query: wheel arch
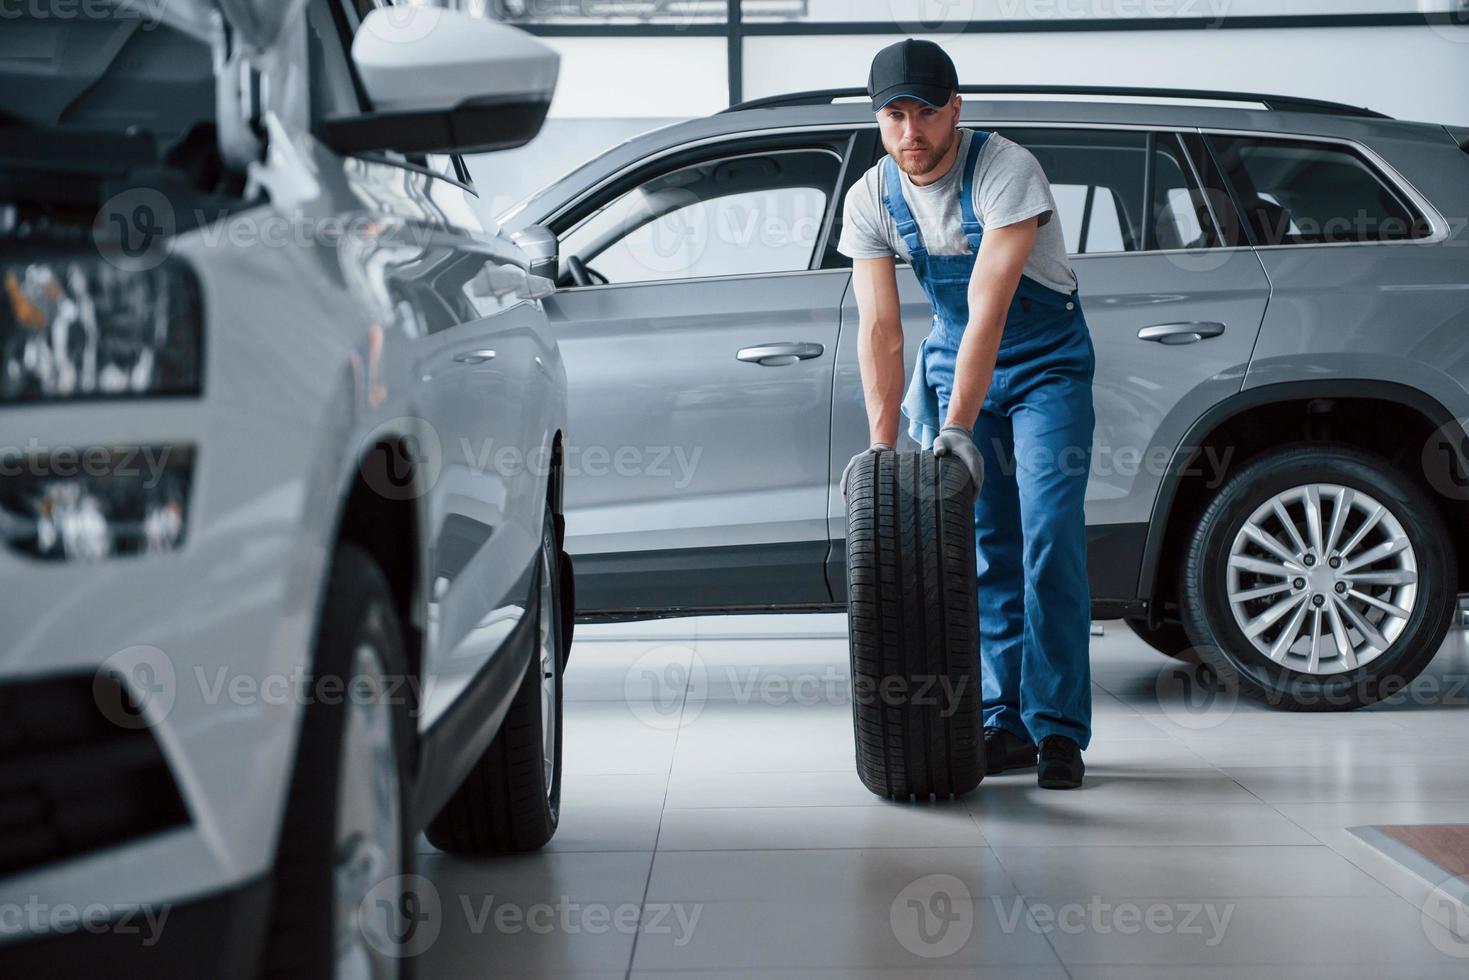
pixel 389 528
pixel 1383 416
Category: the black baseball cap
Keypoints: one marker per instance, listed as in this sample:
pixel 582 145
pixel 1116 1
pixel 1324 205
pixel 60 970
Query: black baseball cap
pixel 913 69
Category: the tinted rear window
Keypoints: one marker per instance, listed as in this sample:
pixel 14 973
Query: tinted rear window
pixel 1301 192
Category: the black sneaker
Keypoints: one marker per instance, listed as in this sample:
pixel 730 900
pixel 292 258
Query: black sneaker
pixel 1005 750
pixel 1060 763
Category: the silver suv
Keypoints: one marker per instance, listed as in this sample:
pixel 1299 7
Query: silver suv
pixel 1277 293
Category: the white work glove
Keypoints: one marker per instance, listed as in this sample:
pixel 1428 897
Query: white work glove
pixel 874 448
pixel 955 440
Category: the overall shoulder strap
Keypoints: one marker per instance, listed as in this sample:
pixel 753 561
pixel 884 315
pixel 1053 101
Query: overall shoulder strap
pixel 972 228
pixel 898 208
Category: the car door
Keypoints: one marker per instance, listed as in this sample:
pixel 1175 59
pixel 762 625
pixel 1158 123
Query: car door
pixel 479 354
pixel 1173 297
pixel 699 364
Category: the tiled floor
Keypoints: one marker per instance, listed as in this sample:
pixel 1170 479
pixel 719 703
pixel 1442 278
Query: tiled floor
pixel 713 825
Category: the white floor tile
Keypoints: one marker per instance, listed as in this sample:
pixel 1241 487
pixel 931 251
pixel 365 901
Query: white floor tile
pixel 849 874
pixel 1074 818
pixel 610 738
pixel 1218 870
pixel 689 788
pixel 609 876
pixel 709 773
pixel 757 936
pixel 1345 784
pixel 803 827
pixel 1244 933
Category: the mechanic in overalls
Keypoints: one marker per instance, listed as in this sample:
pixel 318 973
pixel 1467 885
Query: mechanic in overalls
pixel 1003 382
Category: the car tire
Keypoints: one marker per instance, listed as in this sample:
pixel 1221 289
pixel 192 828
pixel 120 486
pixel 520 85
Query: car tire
pixel 511 799
pixel 345 858
pixel 913 629
pixel 1228 559
pixel 1168 638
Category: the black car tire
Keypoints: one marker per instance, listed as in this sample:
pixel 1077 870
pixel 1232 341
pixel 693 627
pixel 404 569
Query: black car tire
pixel 505 803
pixel 1221 642
pixel 358 610
pixel 913 629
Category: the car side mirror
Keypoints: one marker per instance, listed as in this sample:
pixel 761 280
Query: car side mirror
pixel 444 81
pixel 539 244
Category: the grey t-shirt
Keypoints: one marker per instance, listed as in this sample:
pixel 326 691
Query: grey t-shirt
pixel 1009 186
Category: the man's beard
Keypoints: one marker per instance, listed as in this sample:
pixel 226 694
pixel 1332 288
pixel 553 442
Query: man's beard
pixel 916 165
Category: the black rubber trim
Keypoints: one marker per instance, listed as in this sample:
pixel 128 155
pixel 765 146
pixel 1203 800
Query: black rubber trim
pixel 915 25
pixel 1113 557
pixel 219 936
pixel 703 578
pixel 1278 103
pixel 475 126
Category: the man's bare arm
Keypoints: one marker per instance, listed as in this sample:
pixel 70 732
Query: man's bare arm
pixel 1002 256
pixel 879 345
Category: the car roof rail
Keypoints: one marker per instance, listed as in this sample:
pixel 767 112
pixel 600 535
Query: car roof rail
pixel 1278 103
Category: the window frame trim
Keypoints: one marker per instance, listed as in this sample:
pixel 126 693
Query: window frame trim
pixel 1434 217
pixel 813 263
pixel 1384 171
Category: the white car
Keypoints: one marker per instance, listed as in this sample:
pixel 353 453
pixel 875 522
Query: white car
pixel 282 578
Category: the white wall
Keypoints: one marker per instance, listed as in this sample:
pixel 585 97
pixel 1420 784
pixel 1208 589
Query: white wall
pixel 613 88
pixel 1409 72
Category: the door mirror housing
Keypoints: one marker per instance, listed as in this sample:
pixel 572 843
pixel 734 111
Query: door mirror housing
pixel 444 81
pixel 539 243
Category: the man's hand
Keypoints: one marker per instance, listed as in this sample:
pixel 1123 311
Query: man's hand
pixel 955 440
pixel 870 450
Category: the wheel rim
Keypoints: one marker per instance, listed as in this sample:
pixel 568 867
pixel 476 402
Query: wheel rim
pixel 368 838
pixel 547 653
pixel 1322 578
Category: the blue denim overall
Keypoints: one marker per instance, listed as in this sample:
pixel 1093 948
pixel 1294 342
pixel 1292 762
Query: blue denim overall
pixel 1035 433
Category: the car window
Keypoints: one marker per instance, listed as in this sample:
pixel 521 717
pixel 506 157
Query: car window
pixel 332 89
pixel 1180 214
pixel 1096 178
pixel 750 214
pixel 1091 218
pixel 1302 192
pixel 1099 178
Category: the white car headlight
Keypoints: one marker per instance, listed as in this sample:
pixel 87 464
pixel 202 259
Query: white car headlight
pixel 80 327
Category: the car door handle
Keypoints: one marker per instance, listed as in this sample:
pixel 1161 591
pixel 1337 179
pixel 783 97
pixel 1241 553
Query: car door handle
pixel 1180 333
pixel 474 356
pixel 777 355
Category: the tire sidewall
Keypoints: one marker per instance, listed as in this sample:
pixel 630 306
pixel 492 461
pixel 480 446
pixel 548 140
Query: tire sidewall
pixel 1210 621
pixel 357 608
pixel 551 553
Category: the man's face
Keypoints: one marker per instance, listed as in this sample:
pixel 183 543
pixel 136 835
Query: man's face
pixel 917 135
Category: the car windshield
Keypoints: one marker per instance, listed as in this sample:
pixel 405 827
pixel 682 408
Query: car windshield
pixel 122 73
